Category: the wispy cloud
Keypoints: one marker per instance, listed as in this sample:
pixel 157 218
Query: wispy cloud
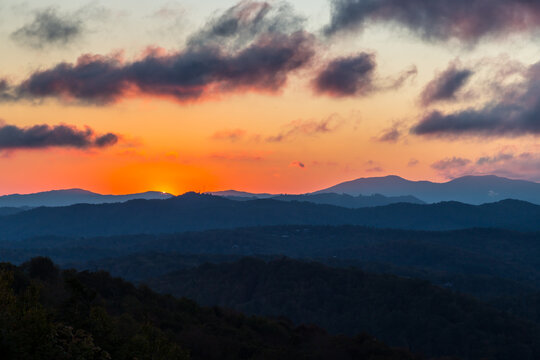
pixel 308 128
pixel 229 135
pixel 52 27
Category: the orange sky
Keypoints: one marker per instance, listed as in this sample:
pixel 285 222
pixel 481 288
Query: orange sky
pixel 170 146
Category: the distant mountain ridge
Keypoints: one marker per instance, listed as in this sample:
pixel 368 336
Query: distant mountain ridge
pixel 343 200
pixel 474 190
pixel 194 212
pixel 73 196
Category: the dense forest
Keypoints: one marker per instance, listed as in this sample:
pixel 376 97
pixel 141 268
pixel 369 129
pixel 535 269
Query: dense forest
pixel 486 263
pixel 47 314
pixel 402 312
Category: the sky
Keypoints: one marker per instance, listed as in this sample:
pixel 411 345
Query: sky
pixel 283 97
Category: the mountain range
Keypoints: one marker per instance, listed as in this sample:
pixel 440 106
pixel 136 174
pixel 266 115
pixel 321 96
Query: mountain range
pixel 363 192
pixel 468 189
pixel 71 197
pixel 343 200
pixel 377 191
pixel 195 212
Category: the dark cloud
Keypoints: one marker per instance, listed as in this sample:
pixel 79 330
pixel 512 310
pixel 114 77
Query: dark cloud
pixel 43 136
pixel 190 75
pixel 450 164
pixel 204 69
pixel 347 76
pixel 446 85
pixel 466 20
pixel 413 162
pixel 49 28
pixel 516 112
pixel 308 127
pixel 355 76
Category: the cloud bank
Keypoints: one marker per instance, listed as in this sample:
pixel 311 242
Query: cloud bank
pixel 207 67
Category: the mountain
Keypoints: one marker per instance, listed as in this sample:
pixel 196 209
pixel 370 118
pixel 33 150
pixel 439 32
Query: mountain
pixel 71 197
pixel 350 201
pixel 194 212
pixel 406 313
pixel 468 189
pixel 240 194
pixel 343 200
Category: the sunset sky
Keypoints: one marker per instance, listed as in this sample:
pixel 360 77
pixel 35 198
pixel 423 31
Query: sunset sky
pixel 128 96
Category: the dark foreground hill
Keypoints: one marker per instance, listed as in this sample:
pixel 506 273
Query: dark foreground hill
pixel 407 313
pixel 194 212
pixel 51 314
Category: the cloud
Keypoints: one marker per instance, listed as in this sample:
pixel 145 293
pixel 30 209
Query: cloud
pixel 237 156
pixel 355 76
pixel 450 164
pixel 49 28
pixel 525 165
pixel 413 162
pixel 44 136
pixel 446 85
pixel 230 135
pixel 242 23
pixel 465 20
pixel 375 169
pixel 297 164
pixel 308 127
pixel 200 70
pixel 516 112
pixel 392 134
pixel 347 76
pixel 494 159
